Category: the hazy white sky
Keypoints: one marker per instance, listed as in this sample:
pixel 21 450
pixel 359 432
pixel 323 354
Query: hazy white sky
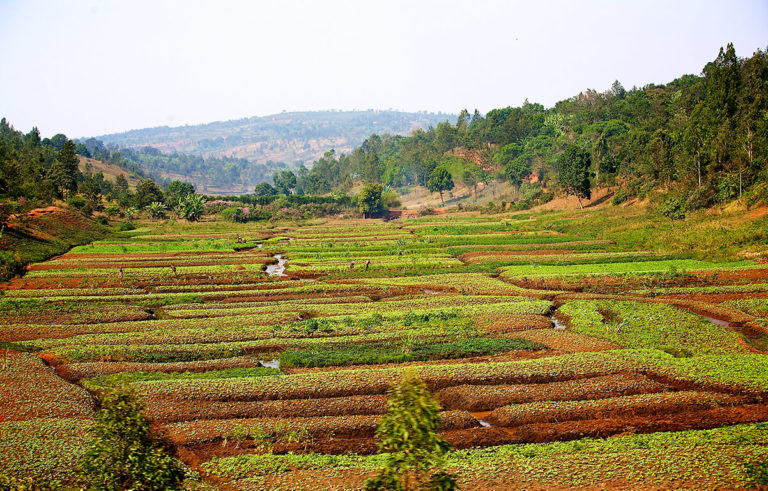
pixel 86 68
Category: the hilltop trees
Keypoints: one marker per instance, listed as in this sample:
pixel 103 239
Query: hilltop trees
pixel 705 133
pixel 65 172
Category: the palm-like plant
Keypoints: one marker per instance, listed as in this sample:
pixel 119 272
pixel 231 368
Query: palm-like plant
pixel 156 210
pixel 192 207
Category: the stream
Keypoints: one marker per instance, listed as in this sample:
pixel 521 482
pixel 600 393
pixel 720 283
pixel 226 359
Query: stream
pixel 754 337
pixel 270 363
pixel 277 269
pixel 479 417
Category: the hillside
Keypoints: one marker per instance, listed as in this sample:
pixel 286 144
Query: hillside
pixel 40 234
pixel 110 171
pixel 286 137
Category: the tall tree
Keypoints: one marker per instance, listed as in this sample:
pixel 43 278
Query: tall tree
pixel 65 171
pixel 573 172
pixel 176 191
pixel 440 180
pixel 264 189
pixel 285 182
pixel 369 200
pixel 147 192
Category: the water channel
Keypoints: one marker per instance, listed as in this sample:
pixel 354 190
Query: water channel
pixel 277 269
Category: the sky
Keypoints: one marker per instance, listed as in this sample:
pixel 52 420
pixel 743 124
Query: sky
pixel 87 68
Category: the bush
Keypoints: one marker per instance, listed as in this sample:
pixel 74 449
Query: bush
pixel 672 209
pixel 391 200
pixel 234 214
pixel 529 192
pixel 408 435
pixel 76 202
pixel 757 195
pixel 620 197
pixel 698 199
pixel 126 226
pixel 757 474
pixel 124 453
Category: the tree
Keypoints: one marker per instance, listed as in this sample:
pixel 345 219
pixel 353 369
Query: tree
pixel 672 209
pixel 65 171
pixel 407 433
pixel 285 182
pixel 191 207
pixel 124 453
pixel 440 180
pixel 121 185
pixel 573 172
pixel 176 191
pixel 369 200
pixel 147 192
pixel 264 189
pixel 469 179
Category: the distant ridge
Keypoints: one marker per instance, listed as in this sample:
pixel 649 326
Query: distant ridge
pixel 290 137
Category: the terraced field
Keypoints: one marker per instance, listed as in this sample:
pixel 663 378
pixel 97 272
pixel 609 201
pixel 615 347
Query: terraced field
pixel 559 359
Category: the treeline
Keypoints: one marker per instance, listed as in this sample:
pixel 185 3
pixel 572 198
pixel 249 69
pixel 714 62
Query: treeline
pixel 204 173
pixel 704 136
pixel 35 170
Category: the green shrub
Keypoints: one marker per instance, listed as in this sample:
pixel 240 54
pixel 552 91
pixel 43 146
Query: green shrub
pixel 672 209
pixel 76 202
pixel 126 226
pixel 620 197
pixel 408 436
pixel 698 199
pixel 757 195
pixel 124 453
pixel 234 214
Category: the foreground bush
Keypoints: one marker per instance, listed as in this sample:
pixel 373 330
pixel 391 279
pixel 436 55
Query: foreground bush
pixel 124 454
pixel 408 435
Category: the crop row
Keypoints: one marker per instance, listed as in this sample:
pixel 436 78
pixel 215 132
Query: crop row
pixel 202 431
pixel 631 405
pixel 713 459
pixel 486 398
pixel 650 325
pixel 536 270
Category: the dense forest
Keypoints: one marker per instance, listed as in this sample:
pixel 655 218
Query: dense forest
pixel 704 136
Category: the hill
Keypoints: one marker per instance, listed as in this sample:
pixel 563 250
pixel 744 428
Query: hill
pixel 110 171
pixel 288 137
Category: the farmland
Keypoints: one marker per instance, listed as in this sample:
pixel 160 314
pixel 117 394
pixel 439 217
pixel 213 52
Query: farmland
pixel 562 354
